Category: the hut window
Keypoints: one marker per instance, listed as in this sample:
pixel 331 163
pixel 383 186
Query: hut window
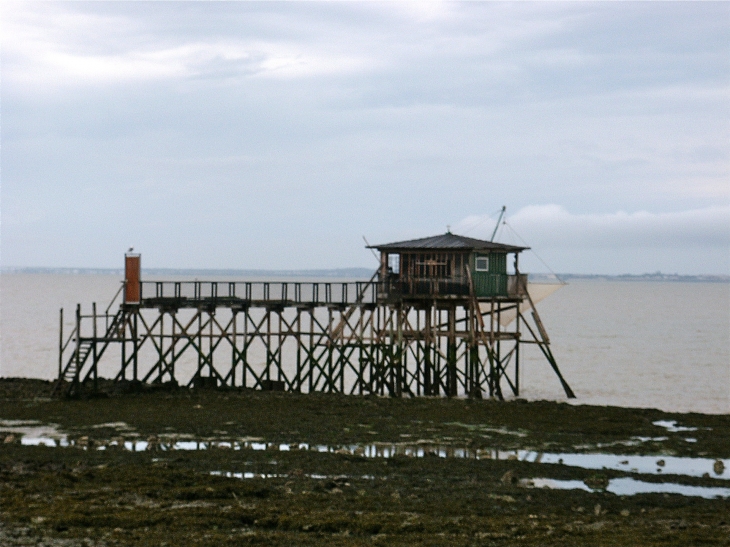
pixel 432 265
pixel 482 264
pixel 394 263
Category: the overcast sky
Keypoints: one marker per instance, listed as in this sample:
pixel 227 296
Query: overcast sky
pixel 276 135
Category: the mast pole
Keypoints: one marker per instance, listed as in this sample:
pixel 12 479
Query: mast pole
pixel 501 214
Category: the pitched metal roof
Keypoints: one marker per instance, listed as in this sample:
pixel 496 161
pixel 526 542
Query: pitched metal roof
pixel 448 241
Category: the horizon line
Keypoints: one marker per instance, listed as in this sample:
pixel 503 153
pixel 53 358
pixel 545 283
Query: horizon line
pixel 326 272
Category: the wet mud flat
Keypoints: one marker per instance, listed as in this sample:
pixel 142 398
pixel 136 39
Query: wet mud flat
pixel 237 467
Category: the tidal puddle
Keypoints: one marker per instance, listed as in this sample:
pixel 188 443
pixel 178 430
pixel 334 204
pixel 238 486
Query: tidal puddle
pixel 32 432
pixel 620 486
pixel 36 434
pixel 627 486
pixel 672 427
pixel 251 475
pixel 652 465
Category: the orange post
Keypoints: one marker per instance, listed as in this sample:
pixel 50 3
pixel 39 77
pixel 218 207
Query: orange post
pixel 131 278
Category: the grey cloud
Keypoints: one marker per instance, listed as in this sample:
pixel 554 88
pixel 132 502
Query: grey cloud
pixel 547 226
pixel 309 124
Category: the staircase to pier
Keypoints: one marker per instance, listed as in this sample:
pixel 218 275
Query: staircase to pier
pixel 71 374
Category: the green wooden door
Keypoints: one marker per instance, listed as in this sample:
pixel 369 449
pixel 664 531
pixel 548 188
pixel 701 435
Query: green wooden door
pixel 489 272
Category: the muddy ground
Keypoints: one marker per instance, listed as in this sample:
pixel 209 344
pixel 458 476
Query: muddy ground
pixel 81 495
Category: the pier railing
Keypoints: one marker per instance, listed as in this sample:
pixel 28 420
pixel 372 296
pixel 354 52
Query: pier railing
pixel 259 291
pixel 517 285
pixel 183 293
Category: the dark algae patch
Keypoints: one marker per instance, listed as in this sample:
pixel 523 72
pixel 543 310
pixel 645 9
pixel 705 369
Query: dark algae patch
pixel 81 495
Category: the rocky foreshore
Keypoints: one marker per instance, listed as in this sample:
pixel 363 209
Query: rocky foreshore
pixel 173 466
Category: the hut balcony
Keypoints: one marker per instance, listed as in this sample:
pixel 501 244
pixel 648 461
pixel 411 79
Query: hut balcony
pixel 485 287
pixel 517 285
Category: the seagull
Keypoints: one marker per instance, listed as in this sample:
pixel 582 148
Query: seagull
pixel 130 249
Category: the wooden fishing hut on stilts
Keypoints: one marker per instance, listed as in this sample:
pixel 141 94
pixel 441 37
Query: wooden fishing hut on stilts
pixel 441 317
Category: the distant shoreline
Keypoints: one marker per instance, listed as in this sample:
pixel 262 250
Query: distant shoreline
pixel 363 273
pixel 334 272
pixel 658 276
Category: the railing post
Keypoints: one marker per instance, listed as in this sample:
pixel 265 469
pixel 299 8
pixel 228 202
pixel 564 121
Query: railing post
pixel 135 345
pixel 60 345
pixel 95 354
pixel 78 340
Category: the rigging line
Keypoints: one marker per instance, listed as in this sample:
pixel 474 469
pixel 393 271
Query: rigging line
pixel 481 221
pixel 371 250
pixel 535 253
pixel 500 231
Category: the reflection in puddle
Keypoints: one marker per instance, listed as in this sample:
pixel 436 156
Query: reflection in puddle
pixel 35 434
pixel 251 475
pixel 626 486
pixel 672 427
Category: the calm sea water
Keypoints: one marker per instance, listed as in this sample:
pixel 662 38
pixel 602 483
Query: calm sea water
pixel 637 344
